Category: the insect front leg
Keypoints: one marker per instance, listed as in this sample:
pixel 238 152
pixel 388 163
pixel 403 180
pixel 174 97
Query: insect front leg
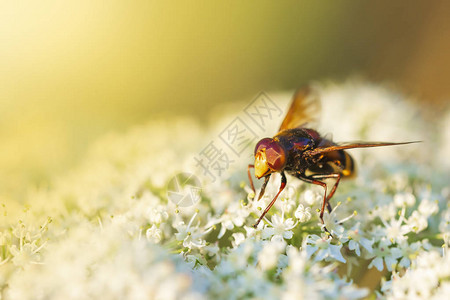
pixel 282 186
pixel 250 178
pixel 263 187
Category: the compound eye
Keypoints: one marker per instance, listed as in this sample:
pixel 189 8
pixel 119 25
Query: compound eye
pixel 262 144
pixel 276 156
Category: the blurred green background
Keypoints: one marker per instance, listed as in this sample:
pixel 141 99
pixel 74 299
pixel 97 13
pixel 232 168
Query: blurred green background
pixel 73 71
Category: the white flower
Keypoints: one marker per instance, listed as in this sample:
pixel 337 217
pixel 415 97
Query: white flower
pixel 235 215
pixel 239 237
pixel 409 252
pixel 417 222
pixel 427 207
pixel 311 197
pixel 383 253
pixel 324 248
pixel 444 225
pixel 278 228
pixel 386 211
pixel 158 214
pixel 303 214
pixel 26 254
pixel 333 225
pixel 192 236
pixel 404 199
pixel 355 239
pixel 154 234
pixel 287 204
pixel 394 230
pixel 428 278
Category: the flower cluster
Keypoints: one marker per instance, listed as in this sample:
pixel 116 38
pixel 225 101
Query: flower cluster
pixel 109 230
pixel 428 278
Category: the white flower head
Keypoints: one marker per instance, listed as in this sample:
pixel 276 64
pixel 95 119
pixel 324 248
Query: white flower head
pixel 116 235
pixel 427 278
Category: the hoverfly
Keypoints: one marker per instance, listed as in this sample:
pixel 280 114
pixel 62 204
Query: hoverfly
pixel 301 152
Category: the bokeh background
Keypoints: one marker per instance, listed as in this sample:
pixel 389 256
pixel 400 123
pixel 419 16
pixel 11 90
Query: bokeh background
pixel 71 72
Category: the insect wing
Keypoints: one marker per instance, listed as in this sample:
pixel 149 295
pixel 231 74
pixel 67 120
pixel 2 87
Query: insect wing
pixel 351 145
pixel 305 109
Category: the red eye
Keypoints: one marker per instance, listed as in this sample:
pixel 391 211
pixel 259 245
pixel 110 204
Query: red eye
pixel 262 144
pixel 276 156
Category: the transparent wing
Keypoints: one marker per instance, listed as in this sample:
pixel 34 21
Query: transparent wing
pixel 351 145
pixel 304 110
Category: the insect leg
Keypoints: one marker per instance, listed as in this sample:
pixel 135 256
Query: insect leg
pixel 263 187
pixel 250 177
pixel 282 186
pixel 338 178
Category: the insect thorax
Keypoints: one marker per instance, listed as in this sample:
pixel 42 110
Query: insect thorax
pixel 296 141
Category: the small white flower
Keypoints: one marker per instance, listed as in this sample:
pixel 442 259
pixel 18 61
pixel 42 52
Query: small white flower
pixel 409 252
pixel 444 225
pixel 154 234
pixel 234 215
pixel 26 254
pixel 192 236
pixel 355 239
pixel 157 214
pixel 417 221
pixel 323 247
pixel 311 197
pixel 278 228
pixel 227 224
pixel 385 212
pixel 383 253
pixel 428 208
pixel 239 237
pixel 303 214
pixel 404 199
pixel 394 230
pixel 287 204
pixel 333 225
